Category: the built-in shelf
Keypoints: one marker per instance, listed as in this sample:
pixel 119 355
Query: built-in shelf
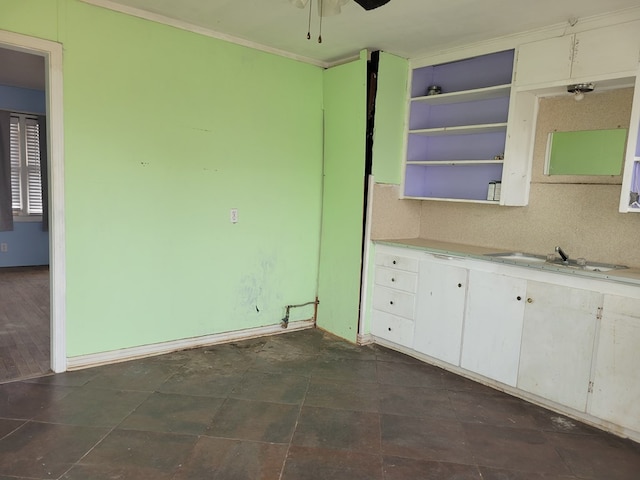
pixel 457 200
pixel 461 130
pixel 486 93
pixel 454 162
pixel 456 139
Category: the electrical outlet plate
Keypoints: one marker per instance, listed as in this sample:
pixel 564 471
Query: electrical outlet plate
pixel 233 215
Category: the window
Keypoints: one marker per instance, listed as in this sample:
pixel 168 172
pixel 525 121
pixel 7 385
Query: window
pixel 26 188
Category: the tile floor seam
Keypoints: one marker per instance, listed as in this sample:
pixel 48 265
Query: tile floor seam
pixel 487 446
pixel 77 462
pixel 114 428
pixel 295 427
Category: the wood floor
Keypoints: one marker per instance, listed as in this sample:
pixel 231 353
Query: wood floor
pixel 24 322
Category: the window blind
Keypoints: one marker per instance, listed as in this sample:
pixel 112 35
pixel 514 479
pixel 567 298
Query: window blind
pixel 26 186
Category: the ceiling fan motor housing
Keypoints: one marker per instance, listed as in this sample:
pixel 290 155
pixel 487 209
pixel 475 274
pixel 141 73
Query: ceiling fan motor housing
pixel 371 4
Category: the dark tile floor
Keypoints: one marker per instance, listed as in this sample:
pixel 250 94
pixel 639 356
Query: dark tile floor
pixel 298 406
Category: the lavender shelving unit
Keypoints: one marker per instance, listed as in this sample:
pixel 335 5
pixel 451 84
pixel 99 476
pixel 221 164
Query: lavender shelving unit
pixel 456 139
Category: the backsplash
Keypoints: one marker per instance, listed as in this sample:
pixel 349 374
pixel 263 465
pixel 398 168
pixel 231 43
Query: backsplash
pixel 578 213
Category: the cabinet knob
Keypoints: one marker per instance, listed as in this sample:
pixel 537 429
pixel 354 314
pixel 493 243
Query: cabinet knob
pixel 529 300
pixel 518 298
pixel 389 328
pixel 459 285
pixel 394 262
pixel 393 279
pixel 391 302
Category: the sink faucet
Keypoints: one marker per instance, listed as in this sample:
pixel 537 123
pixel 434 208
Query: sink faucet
pixel 564 256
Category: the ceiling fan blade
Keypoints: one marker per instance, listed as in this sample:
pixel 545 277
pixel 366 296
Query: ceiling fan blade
pixel 371 4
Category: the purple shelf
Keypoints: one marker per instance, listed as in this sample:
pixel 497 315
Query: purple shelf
pixel 465 182
pixel 635 185
pixel 468 74
pixel 494 110
pixel 467 106
pixel 455 147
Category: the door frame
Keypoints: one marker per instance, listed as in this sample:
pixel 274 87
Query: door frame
pixel 52 53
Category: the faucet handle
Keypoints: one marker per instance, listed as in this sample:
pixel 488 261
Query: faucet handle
pixel 564 256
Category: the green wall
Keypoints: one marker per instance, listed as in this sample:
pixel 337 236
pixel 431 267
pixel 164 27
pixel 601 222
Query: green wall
pixel 391 101
pixel 165 131
pixel 340 258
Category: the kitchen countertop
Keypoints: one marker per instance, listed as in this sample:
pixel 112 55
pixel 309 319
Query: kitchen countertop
pixel 627 275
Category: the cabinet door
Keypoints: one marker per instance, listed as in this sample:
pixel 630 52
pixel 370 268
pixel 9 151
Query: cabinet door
pixel 605 51
pixel 493 325
pixel 616 382
pixel 440 311
pixel 544 61
pixel 557 343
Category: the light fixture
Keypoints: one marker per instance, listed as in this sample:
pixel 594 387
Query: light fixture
pixel 327 8
pixel 579 89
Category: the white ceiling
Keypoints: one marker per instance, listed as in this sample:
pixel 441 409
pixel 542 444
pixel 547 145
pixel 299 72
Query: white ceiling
pixel 408 28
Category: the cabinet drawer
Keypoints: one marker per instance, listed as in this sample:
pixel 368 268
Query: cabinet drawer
pixel 394 302
pixel 395 329
pixel 397 261
pixel 387 277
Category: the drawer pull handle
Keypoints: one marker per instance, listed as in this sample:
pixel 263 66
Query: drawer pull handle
pixel 529 300
pixel 389 329
pixel 518 298
pixel 394 262
pixel 393 279
pixel 459 285
pixel 391 302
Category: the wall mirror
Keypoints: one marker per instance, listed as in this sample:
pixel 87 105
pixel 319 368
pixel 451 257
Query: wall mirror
pixel 586 152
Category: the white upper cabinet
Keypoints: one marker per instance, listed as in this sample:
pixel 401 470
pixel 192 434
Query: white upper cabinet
pixel 606 51
pixel 544 61
pixel 602 53
pixel 457 138
pixel 630 191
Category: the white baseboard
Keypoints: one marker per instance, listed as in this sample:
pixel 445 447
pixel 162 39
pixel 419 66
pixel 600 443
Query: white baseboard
pixel 365 339
pixel 132 353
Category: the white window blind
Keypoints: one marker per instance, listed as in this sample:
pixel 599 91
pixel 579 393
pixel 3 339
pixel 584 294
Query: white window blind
pixel 26 188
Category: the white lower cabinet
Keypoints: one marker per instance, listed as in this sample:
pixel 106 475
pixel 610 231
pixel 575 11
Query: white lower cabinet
pixel 440 311
pixel 557 343
pixel 493 325
pixel 576 348
pixel 394 298
pixel 390 327
pixel 616 382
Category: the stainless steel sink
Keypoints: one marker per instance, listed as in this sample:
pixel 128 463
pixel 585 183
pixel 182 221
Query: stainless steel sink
pixel 594 266
pixel 519 257
pixel 531 258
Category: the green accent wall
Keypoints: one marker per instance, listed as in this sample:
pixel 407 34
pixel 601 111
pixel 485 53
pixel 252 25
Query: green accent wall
pixel 165 132
pixel 37 18
pixel 344 157
pixel 391 101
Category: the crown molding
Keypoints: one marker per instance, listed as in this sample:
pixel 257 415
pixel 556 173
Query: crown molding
pixel 189 27
pixel 513 40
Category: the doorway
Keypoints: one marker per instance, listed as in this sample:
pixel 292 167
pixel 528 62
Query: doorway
pixel 36 292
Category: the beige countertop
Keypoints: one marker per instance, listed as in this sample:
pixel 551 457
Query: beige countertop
pixel 626 275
